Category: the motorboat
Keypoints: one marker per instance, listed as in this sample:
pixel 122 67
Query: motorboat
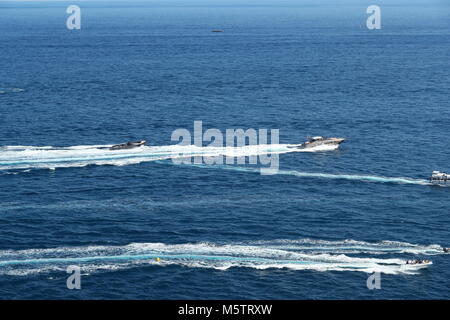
pixel 438 177
pixel 316 141
pixel 418 262
pixel 128 145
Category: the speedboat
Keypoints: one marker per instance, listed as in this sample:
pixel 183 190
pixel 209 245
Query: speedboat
pixel 319 141
pixel 438 177
pixel 418 262
pixel 128 145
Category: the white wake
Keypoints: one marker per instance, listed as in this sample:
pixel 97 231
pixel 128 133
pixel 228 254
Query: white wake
pixel 304 254
pixel 26 157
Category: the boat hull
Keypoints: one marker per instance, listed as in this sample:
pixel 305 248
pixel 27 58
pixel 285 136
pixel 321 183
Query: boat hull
pixel 326 142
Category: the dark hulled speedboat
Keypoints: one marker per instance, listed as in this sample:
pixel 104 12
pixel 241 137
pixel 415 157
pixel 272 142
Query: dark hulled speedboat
pixel 128 145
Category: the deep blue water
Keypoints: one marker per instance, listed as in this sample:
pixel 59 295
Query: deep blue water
pixel 142 70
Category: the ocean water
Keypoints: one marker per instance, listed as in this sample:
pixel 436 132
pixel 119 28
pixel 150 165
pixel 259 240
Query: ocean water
pixel 316 229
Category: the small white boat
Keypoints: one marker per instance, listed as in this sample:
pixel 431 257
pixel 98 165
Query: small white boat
pixel 438 177
pixel 419 263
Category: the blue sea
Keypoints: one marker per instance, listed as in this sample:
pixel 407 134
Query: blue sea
pixel 141 226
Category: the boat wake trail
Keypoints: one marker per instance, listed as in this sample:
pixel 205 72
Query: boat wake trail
pixel 354 247
pixel 24 158
pixel 367 178
pixel 29 157
pixel 303 254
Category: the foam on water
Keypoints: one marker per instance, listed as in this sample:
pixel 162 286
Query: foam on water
pixel 354 247
pixel 25 157
pixel 290 254
pixel 368 178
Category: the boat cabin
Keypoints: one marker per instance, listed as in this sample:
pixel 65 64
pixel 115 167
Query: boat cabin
pixel 316 138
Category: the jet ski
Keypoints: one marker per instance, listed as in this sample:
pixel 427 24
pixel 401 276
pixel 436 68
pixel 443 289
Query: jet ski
pixel 128 145
pixel 318 141
pixel 446 250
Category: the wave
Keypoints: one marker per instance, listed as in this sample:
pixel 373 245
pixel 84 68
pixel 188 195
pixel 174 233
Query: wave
pixel 11 90
pixel 275 254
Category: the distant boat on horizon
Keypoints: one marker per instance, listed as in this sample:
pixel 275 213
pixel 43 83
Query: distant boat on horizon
pixel 217 30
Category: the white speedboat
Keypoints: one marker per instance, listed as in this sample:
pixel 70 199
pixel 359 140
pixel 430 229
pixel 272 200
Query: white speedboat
pixel 438 177
pixel 419 262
